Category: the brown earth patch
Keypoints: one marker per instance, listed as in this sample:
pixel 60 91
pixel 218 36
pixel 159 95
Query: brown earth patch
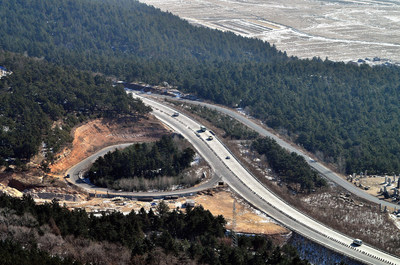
pixel 97 134
pixel 88 139
pixel 217 201
pixel 248 220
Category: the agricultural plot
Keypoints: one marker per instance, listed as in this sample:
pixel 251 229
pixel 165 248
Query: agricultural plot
pixel 342 30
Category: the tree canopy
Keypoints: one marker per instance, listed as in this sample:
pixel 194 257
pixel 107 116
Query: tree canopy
pixel 346 114
pixel 41 102
pixel 194 236
pixel 146 160
pixel 290 167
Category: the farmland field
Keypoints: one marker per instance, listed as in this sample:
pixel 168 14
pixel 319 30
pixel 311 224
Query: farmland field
pixel 342 30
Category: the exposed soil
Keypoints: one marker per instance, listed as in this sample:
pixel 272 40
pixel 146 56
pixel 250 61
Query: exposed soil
pixel 248 220
pixel 88 139
pixel 218 202
pixel 99 133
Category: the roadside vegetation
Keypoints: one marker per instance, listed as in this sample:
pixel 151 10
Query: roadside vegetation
pixel 144 166
pixel 354 217
pixel 193 236
pixel 289 166
pixel 347 115
pixel 275 166
pixel 331 205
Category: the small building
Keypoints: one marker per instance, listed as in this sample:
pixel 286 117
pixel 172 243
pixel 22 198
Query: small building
pixel 4 71
pixel 190 203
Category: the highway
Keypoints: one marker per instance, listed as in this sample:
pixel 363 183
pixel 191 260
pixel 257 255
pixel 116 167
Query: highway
pixel 248 187
pixel 319 167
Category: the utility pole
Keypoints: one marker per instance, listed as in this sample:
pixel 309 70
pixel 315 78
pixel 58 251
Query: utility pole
pixel 234 237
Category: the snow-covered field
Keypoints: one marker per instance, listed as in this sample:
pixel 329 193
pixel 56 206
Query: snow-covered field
pixel 342 30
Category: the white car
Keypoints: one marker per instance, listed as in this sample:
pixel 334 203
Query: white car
pixel 357 242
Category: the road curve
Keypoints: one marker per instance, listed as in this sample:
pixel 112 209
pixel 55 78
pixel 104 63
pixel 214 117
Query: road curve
pixel 242 182
pixel 319 167
pixel 77 170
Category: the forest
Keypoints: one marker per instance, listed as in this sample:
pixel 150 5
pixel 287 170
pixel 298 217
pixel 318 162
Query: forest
pixel 142 161
pixel 290 167
pixel 192 236
pixel 41 102
pixel 345 114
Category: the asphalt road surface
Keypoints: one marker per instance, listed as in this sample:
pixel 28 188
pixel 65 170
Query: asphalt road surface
pixel 320 168
pixel 247 186
pixel 76 178
pixel 243 183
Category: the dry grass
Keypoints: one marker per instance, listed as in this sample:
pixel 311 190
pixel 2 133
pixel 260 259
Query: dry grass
pixel 331 206
pixel 248 220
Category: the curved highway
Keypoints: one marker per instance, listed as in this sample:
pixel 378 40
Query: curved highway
pixel 248 187
pixel 319 167
pixel 243 183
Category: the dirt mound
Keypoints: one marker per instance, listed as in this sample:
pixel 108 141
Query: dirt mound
pixel 97 134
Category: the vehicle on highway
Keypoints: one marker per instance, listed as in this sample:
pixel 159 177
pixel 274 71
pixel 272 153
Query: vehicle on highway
pixel 210 138
pixel 227 157
pixel 176 114
pixel 203 128
pixel 357 242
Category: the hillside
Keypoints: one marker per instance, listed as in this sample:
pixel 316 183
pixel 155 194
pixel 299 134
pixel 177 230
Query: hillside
pixel 41 103
pixel 98 34
pixel 193 236
pixel 346 114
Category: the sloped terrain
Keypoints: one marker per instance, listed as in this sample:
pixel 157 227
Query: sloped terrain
pixel 97 134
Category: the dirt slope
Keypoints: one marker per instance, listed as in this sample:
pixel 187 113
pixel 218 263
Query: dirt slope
pixel 99 133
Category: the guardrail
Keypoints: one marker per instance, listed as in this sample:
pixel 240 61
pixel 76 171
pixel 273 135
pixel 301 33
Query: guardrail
pixel 278 197
pixel 205 104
